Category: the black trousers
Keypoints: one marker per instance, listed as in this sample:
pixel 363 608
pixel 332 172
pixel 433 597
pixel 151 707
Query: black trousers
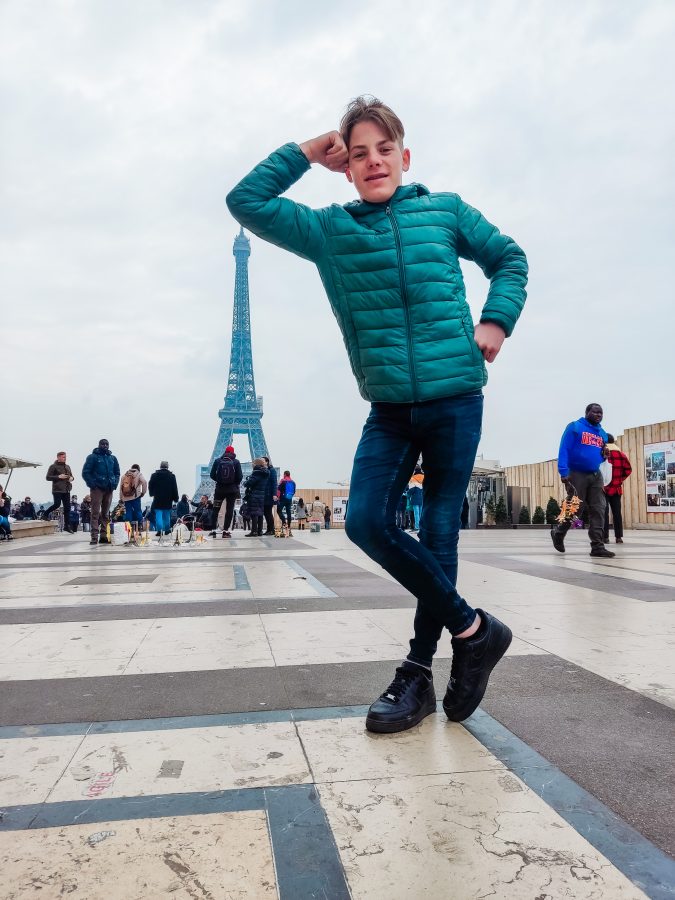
pixel 269 517
pixel 58 500
pixel 590 490
pixel 614 503
pixel 229 510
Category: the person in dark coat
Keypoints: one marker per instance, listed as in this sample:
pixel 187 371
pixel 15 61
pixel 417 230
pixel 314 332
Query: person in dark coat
pixel 163 489
pixel 227 474
pixel 254 495
pixel 85 512
pixel 183 506
pixel 101 473
pixel 61 477
pixel 270 496
pixel 203 513
pixel 27 509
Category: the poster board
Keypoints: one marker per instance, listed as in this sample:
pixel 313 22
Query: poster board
pixel 659 461
pixel 339 508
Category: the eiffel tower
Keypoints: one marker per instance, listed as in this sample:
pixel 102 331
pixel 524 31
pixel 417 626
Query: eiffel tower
pixel 242 409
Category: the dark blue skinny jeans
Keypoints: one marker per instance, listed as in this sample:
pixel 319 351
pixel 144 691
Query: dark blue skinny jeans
pixel 446 432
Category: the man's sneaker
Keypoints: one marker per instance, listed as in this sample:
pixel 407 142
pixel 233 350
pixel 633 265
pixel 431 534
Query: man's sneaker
pixel 226 534
pixel 213 534
pixel 103 540
pixel 408 699
pixel 558 541
pixel 604 552
pixel 472 661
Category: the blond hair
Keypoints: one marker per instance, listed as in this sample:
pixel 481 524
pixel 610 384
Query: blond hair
pixel 367 108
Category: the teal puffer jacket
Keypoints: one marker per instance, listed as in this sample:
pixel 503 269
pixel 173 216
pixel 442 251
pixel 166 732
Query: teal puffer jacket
pixel 392 275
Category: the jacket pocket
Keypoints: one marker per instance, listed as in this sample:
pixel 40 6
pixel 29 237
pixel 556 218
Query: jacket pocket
pixel 476 354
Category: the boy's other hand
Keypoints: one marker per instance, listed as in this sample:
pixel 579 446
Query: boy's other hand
pixel 328 150
pixel 489 338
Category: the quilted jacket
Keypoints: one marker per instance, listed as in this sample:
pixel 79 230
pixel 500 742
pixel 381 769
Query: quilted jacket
pixel 392 275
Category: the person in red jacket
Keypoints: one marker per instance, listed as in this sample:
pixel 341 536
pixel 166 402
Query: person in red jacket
pixel 621 470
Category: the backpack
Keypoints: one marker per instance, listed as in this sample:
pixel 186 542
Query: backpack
pixel 289 489
pixel 227 472
pixel 128 486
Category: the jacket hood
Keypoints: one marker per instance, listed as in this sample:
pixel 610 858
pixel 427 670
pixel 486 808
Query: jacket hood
pixel 403 192
pixel 101 452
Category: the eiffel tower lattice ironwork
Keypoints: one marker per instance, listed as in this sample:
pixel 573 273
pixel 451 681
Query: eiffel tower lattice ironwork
pixel 242 408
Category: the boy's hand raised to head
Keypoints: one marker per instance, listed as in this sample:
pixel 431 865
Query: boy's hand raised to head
pixel 489 338
pixel 328 149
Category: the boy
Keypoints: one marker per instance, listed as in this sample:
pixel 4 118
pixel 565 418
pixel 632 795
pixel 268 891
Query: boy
pixel 389 264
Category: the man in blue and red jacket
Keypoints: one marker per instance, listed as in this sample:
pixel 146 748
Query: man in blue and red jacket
pixel 579 458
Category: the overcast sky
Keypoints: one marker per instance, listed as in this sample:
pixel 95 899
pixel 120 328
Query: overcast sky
pixel 125 124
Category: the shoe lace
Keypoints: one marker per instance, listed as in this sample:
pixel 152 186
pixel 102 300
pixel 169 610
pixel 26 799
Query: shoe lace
pixel 399 685
pixel 458 662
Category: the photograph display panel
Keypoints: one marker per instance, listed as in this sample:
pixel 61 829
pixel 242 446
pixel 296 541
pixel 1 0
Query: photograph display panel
pixel 660 477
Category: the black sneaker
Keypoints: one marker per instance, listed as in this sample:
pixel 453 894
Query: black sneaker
pixel 604 552
pixel 408 699
pixel 103 540
pixel 472 661
pixel 213 534
pixel 558 541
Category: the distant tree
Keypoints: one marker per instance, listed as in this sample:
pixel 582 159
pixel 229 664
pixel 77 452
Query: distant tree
pixel 552 510
pixel 490 509
pixel 538 516
pixel 524 516
pixel 501 512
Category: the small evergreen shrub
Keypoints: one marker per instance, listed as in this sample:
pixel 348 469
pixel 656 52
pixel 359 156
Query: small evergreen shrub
pixel 538 517
pixel 501 512
pixel 524 516
pixel 552 510
pixel 490 511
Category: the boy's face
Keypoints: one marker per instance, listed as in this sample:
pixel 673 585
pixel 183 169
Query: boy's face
pixel 376 162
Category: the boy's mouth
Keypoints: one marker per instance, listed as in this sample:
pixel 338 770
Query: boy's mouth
pixel 376 177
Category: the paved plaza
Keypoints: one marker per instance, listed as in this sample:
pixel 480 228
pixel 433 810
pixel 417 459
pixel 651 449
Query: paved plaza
pixel 188 722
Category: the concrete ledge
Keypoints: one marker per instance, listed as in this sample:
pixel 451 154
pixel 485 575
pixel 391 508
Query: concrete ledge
pixel 33 528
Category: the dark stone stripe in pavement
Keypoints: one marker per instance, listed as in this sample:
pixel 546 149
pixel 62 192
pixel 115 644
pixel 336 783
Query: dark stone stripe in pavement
pixel 612 741
pixel 306 857
pixel 214 692
pixel 348 580
pixel 122 611
pixel 602 581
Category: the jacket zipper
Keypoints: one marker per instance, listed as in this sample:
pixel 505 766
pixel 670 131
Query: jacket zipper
pixel 404 298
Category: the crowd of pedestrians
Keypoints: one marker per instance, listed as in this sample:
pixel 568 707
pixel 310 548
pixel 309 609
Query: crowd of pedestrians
pixel 260 494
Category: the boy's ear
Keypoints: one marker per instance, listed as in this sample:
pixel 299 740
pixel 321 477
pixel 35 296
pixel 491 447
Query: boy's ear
pixel 406 159
pixel 349 176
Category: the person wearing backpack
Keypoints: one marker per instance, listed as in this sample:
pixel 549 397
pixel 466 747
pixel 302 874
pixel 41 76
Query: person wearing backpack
pixel 285 493
pixel 133 487
pixel 227 474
